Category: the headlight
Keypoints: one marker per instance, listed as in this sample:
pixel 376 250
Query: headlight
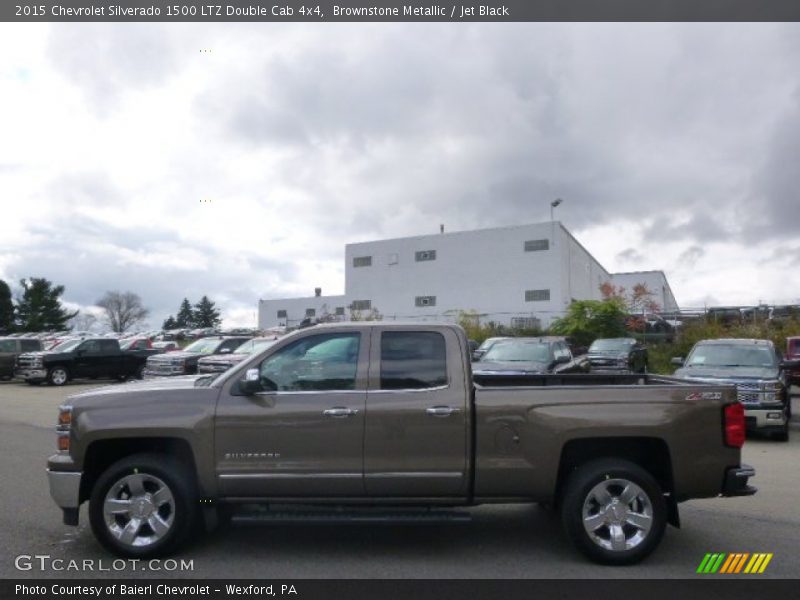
pixel 771 386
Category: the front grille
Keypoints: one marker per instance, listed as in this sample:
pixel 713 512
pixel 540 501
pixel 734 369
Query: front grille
pixel 164 368
pixel 748 397
pixel 213 367
pixel 28 362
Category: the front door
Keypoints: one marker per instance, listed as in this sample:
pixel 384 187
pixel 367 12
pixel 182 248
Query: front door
pixel 303 434
pixel 416 434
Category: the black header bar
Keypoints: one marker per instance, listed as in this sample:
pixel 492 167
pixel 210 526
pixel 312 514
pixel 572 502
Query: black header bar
pixel 321 11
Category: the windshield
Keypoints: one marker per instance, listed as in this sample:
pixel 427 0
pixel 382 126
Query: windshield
pixel 519 352
pixel 254 346
pixel 126 344
pixel 730 355
pixel 619 344
pixel 66 346
pixel 205 346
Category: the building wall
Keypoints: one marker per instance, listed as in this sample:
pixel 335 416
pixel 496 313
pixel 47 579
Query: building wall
pixel 296 309
pixel 486 270
pixel 656 282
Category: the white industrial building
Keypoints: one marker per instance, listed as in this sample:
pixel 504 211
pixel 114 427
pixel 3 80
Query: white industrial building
pixel 656 283
pixel 523 275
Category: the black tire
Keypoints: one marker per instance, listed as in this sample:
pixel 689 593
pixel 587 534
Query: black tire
pixel 57 375
pixel 612 475
pixel 140 372
pixel 782 435
pixel 179 517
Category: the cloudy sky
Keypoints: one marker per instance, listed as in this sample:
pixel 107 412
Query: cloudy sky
pixel 132 160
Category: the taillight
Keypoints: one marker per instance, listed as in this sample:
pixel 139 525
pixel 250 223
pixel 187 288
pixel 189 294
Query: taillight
pixel 734 425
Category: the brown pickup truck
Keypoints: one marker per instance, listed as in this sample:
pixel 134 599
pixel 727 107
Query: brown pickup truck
pixel 375 422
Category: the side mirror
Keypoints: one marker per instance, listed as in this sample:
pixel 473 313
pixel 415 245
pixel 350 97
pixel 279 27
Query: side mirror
pixel 250 384
pixel 677 361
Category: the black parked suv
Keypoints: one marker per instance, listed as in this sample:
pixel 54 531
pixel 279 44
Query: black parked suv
pixel 10 348
pixel 528 356
pixel 618 355
pixel 184 362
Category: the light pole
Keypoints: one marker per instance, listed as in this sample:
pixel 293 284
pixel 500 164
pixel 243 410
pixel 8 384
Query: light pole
pixel 553 205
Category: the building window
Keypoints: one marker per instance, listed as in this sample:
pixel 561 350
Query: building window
pixel 425 301
pixel 525 323
pixel 423 255
pixel 282 314
pixel 310 312
pixel 362 261
pixel 536 245
pixel 339 311
pixel 537 295
pixel 361 305
pixel 392 259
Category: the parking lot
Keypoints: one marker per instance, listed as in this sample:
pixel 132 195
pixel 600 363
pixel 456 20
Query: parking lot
pixel 516 541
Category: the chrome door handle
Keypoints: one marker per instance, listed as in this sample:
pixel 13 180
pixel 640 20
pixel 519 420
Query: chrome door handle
pixel 441 411
pixel 340 411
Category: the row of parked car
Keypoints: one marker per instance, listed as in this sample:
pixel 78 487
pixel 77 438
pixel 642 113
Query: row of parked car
pixel 763 376
pixel 36 360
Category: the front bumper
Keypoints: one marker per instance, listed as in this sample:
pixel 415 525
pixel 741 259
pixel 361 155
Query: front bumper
pixel 765 419
pixel 65 489
pixel 735 483
pixel 30 374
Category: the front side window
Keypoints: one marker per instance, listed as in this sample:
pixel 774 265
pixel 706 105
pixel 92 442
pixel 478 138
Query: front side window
pixel 90 347
pixel 413 360
pixel 108 345
pixel 315 363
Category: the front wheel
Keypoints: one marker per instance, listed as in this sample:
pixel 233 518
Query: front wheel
pixel 57 376
pixel 613 511
pixel 143 506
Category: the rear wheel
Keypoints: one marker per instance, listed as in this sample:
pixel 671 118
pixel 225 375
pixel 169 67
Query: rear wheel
pixel 613 511
pixel 142 506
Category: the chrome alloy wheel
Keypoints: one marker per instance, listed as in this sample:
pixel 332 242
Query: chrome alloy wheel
pixel 617 514
pixel 59 376
pixel 139 510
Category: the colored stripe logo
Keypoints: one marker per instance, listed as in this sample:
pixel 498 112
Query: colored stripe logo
pixel 734 563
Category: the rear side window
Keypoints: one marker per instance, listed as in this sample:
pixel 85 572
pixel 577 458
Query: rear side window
pixel 8 346
pixel 30 345
pixel 108 345
pixel 412 360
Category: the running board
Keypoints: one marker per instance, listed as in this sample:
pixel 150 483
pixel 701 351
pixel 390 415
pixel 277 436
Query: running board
pixel 353 517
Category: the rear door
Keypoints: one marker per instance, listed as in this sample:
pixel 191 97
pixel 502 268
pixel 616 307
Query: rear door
pixel 416 435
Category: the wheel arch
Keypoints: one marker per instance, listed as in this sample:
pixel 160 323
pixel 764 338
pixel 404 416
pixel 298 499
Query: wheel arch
pixel 101 454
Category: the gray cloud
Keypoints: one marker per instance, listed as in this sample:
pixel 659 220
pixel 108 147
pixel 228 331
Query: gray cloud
pixel 630 255
pixel 689 257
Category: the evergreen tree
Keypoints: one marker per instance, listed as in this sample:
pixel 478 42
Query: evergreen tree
pixel 40 308
pixel 206 313
pixel 169 323
pixel 185 318
pixel 6 308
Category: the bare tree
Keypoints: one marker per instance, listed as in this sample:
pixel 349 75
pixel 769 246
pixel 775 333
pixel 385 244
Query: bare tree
pixel 123 310
pixel 83 321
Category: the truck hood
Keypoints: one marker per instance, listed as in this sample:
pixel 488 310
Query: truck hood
pixel 170 356
pixel 47 354
pixel 509 368
pixel 229 359
pixel 743 373
pixel 184 382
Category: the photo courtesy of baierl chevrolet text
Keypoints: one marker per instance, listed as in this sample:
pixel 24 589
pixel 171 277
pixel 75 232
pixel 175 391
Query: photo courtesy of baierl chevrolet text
pixel 356 299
